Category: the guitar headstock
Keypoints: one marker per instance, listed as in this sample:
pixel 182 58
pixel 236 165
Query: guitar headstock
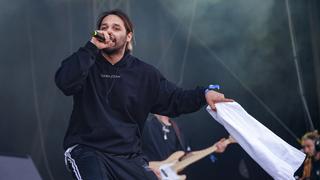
pixel 231 140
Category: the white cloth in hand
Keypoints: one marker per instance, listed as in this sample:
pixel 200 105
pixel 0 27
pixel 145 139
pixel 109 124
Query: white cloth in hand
pixel 278 158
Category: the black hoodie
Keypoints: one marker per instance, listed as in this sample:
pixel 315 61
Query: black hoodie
pixel 112 102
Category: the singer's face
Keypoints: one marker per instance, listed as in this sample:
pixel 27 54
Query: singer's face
pixel 114 26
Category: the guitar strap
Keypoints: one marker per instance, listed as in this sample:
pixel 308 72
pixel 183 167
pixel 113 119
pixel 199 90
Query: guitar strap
pixel 178 133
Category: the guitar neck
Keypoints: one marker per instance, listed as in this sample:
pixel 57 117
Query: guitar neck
pixel 195 156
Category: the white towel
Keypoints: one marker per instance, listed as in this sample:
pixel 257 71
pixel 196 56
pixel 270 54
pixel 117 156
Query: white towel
pixel 274 155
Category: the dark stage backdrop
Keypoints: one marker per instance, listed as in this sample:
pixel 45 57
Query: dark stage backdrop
pixel 242 45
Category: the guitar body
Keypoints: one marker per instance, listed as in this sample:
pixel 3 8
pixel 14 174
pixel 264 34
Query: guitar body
pixel 165 167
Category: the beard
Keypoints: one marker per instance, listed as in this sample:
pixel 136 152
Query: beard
pixel 119 45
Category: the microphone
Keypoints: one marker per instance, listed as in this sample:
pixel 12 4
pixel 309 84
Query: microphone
pixel 100 36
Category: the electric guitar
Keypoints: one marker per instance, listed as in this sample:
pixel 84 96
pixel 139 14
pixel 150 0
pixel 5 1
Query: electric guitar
pixel 177 161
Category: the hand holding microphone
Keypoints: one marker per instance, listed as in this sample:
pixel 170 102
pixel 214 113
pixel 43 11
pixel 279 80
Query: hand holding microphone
pixel 99 36
pixel 102 39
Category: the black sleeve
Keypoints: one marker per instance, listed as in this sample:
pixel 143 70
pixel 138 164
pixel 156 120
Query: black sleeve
pixel 172 101
pixel 74 70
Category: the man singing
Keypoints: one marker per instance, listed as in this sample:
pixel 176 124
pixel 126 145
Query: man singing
pixel 113 92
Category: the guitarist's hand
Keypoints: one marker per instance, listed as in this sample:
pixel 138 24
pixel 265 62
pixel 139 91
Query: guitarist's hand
pixel 213 97
pixel 221 146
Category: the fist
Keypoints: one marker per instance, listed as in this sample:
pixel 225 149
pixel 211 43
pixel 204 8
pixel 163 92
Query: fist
pixel 213 97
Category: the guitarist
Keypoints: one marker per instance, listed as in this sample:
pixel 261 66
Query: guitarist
pixel 162 137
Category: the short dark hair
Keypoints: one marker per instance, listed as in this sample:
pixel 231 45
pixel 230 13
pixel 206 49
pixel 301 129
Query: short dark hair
pixel 126 21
